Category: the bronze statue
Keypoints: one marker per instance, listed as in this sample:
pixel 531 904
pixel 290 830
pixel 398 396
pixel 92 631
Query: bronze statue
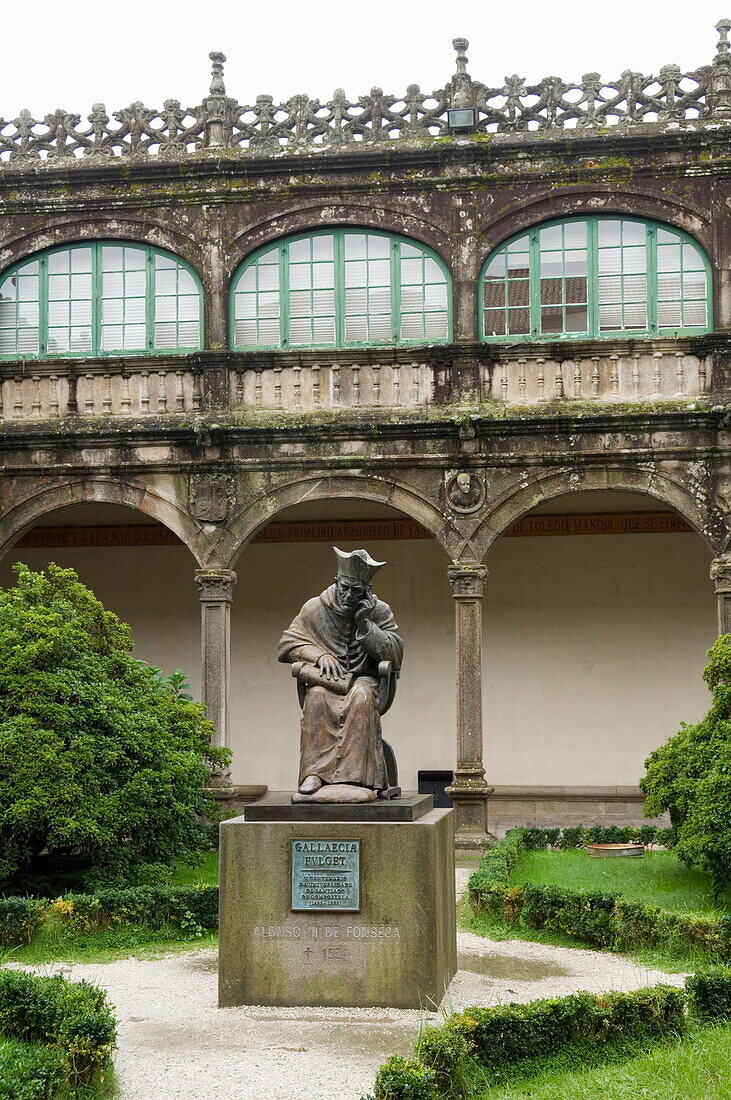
pixel 346 655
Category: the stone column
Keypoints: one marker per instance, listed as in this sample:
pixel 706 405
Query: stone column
pixel 721 577
pixel 469 791
pixel 216 591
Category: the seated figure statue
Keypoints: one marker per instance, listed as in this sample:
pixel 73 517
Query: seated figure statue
pixel 342 636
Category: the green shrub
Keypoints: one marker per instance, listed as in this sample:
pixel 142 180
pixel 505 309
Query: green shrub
pixel 444 1051
pixel 73 1017
pixel 690 777
pixel 100 765
pixel 572 838
pixel 504 1036
pixel 588 916
pixel 79 913
pixel 491 877
pixel 710 993
pixel 30 1071
pixel 160 906
pixel 20 919
pixel 656 1013
pixel 508 1034
pixel 405 1079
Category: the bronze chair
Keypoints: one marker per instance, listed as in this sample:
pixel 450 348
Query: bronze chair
pixel 387 683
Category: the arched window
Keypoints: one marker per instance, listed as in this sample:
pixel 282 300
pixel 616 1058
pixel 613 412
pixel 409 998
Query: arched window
pixel 338 288
pixel 103 298
pixel 595 277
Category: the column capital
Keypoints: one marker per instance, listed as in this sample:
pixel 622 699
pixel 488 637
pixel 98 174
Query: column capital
pixel 215 584
pixel 467 579
pixel 721 575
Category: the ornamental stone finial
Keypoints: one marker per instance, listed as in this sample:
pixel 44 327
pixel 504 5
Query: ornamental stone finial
pixel 217 85
pixel 461 88
pixel 461 45
pixel 719 90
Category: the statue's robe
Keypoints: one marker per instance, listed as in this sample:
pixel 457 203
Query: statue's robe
pixel 341 734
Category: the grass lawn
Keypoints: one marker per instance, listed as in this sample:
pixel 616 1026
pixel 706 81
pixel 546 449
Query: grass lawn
pixel 657 878
pixel 698 1068
pixel 204 873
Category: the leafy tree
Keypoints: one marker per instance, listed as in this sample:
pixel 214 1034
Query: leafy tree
pixel 101 761
pixel 690 776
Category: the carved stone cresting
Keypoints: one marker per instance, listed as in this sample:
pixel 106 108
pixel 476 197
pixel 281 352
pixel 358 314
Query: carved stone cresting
pixel 266 128
pixel 464 490
pixel 215 585
pixel 211 496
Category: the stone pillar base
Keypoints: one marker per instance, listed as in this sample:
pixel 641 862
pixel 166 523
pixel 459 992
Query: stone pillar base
pixel 398 949
pixel 470 815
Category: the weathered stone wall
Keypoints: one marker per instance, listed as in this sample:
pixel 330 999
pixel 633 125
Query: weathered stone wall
pixel 215 445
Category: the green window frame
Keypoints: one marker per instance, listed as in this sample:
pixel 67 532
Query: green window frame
pixel 336 288
pixel 601 277
pixel 99 298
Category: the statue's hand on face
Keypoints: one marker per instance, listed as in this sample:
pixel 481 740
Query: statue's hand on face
pixel 365 608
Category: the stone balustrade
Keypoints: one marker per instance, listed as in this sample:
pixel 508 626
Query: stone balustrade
pixel 228 382
pixel 633 376
pixel 99 392
pixel 335 385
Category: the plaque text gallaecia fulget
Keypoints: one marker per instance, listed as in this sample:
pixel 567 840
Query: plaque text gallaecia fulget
pixel 326 875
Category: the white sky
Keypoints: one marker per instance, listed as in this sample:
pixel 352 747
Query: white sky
pixel 71 53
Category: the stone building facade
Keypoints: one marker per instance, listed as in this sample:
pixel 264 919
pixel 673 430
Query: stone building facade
pixel 519 383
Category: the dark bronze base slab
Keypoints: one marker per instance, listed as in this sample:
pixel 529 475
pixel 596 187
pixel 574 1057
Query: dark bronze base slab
pixel 279 807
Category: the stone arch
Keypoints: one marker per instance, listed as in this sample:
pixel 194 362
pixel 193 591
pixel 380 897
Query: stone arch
pixel 601 199
pixel 517 502
pixel 57 234
pixel 314 216
pixel 270 503
pixel 25 514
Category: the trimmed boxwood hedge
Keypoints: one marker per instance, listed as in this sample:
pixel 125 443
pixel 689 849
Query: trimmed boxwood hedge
pixel 20 919
pixel 30 1071
pixel 710 993
pixel 603 920
pixel 72 1019
pixel 191 908
pixel 506 1035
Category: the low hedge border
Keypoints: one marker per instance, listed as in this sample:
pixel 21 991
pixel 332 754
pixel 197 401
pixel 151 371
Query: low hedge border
pixel 30 1071
pixel 504 1036
pixel 20 919
pixel 602 920
pixel 192 909
pixel 71 1021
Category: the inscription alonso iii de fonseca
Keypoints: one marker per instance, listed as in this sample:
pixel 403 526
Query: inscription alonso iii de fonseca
pixel 326 875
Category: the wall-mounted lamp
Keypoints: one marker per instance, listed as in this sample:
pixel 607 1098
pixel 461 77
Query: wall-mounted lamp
pixel 461 118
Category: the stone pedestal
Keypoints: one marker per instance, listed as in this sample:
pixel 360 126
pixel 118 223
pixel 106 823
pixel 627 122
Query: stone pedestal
pixel 390 943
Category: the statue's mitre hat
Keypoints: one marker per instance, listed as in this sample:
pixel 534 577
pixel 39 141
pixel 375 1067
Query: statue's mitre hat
pixel 357 566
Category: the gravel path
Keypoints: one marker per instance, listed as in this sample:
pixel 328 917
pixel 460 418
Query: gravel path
pixel 175 1044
